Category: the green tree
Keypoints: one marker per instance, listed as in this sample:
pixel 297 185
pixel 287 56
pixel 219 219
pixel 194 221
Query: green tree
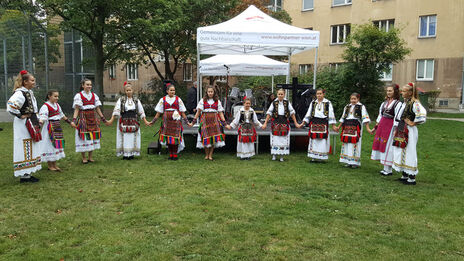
pixel 369 52
pixel 99 23
pixel 165 30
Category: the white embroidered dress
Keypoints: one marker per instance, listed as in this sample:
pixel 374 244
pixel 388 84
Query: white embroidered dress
pixel 86 145
pixel 406 159
pixel 201 107
pixel 26 153
pixel 160 108
pixel 48 151
pixel 128 143
pixel 245 150
pixel 351 152
pixel 386 158
pixel 320 148
pixel 280 145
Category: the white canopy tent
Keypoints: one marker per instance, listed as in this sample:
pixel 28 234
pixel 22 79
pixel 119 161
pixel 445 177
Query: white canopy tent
pixel 254 32
pixel 242 65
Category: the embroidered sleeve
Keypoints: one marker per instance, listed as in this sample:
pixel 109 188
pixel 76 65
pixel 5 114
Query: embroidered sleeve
pixel 290 108
pixel 343 113
pixel 97 101
pixel 332 119
pixel 140 109
pixel 77 101
pixel 420 112
pixel 60 111
pixel 15 103
pixel 160 106
pixel 379 117
pixel 255 120
pixel 43 113
pixel 117 108
pixel 271 109
pixel 220 108
pixel 308 113
pixel 365 115
pixel 234 124
pixel 200 105
pixel 182 106
pixel 398 114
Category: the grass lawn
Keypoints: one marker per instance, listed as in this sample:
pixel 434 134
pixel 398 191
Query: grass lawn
pixel 154 209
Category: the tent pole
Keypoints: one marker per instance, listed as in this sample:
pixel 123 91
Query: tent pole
pixel 272 84
pixel 199 84
pixel 315 69
pixel 287 80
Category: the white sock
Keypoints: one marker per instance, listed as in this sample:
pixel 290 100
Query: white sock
pixel 273 157
pixel 387 169
pixel 281 158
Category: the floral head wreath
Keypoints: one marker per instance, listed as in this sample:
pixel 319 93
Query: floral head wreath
pixel 23 72
pixel 124 84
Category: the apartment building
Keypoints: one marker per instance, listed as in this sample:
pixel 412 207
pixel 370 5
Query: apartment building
pixel 434 30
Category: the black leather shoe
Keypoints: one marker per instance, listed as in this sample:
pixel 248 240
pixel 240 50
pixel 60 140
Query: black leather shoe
pixel 410 183
pixel 32 179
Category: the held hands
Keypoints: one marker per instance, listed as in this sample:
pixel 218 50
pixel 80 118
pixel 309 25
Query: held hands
pixel 335 128
pixel 147 123
pixel 73 125
pixel 25 116
pixel 228 127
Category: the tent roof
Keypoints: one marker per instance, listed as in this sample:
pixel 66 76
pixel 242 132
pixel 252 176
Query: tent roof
pixel 254 32
pixel 244 65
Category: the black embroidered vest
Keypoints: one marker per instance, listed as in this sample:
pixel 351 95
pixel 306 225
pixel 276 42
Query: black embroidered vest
pixel 275 113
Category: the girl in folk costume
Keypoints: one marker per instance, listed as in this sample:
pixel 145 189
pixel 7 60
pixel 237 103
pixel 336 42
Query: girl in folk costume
pixel 281 111
pixel 319 116
pixel 86 107
pixel 128 109
pixel 26 129
pixel 210 111
pixel 52 143
pixel 172 108
pixel 352 120
pixel 405 138
pixel 382 146
pixel 244 120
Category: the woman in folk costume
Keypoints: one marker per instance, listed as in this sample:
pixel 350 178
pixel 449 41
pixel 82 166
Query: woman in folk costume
pixel 172 108
pixel 319 116
pixel 52 143
pixel 210 111
pixel 86 107
pixel 128 108
pixel 352 120
pixel 406 134
pixel 280 111
pixel 244 119
pixel 26 129
pixel 382 147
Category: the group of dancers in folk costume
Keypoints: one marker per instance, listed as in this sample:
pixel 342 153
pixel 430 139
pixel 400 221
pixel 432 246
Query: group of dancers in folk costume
pixel 394 144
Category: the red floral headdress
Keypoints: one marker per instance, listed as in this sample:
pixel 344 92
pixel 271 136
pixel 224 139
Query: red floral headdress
pixel 23 72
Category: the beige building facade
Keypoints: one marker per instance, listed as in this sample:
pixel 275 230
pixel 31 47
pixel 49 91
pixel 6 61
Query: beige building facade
pixel 434 30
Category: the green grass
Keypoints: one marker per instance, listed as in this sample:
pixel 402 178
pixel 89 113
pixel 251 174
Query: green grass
pixel 446 115
pixel 154 209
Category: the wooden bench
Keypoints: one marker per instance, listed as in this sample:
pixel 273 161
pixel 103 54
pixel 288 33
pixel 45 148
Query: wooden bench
pixel 154 147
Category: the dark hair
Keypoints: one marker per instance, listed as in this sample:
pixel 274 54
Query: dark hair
pixel 320 89
pixel 83 81
pixel 50 93
pixel 355 94
pixel 215 96
pixel 396 91
pixel 246 99
pixel 169 85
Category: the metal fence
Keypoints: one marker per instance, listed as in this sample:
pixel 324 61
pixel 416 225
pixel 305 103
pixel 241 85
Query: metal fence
pixel 55 59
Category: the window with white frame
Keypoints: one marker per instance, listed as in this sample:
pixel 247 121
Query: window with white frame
pixel 132 71
pixel 307 5
pixel 387 76
pixel 305 68
pixel 339 33
pixel 188 72
pixel 385 25
pixel 341 2
pixel 334 66
pixel 275 5
pixel 112 71
pixel 428 26
pixel 425 69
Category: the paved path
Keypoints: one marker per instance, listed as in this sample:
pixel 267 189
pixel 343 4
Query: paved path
pixel 447 119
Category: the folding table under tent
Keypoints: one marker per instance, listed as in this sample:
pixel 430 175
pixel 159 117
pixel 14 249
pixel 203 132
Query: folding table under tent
pixel 253 32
